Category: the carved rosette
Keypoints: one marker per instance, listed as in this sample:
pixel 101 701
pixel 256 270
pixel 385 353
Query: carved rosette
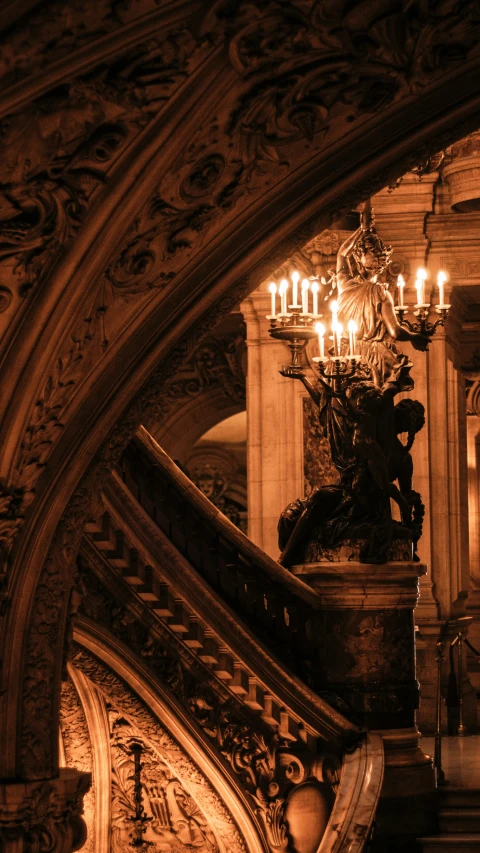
pixel 44 817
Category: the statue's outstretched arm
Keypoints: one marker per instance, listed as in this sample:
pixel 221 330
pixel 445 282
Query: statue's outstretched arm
pixel 297 373
pixel 398 332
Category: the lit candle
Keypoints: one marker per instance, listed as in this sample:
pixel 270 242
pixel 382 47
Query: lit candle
pixel 283 295
pixel 320 330
pixel 420 285
pixel 273 290
pixel 441 279
pixel 295 279
pixel 334 310
pixel 352 330
pixel 400 285
pixel 315 291
pixel 305 289
pixel 337 330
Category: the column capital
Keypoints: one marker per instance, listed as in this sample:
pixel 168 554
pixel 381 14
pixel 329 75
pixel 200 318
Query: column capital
pixel 36 817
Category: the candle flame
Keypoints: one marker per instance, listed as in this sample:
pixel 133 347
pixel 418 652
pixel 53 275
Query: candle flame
pixel 337 328
pixel 305 284
pixel 283 286
pixel 320 329
pixel 400 281
pixel 334 307
pixel 422 273
pixel 315 287
pixel 352 326
pixel 295 277
pixel 272 287
pixel 442 277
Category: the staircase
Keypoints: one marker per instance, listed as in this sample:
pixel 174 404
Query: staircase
pixel 459 822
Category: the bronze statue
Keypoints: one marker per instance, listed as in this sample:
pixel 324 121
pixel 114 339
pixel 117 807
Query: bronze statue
pixel 361 422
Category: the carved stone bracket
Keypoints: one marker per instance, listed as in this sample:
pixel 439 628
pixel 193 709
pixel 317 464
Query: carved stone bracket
pixel 47 816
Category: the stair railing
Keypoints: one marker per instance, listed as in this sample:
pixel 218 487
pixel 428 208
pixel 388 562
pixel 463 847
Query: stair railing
pixel 437 757
pixel 459 641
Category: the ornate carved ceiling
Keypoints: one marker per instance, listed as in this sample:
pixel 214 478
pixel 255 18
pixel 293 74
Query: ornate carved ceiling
pixel 157 161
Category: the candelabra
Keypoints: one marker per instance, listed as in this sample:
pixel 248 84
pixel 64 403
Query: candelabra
pixel 296 324
pixel 424 326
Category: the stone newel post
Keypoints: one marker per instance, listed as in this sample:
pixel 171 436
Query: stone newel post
pixel 366 642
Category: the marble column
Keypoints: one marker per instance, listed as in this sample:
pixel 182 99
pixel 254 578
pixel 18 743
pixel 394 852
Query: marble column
pixel 274 427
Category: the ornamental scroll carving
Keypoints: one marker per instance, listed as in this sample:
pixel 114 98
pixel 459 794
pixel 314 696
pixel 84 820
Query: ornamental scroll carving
pixel 269 766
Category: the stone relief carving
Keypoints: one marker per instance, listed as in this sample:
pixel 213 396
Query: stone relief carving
pixel 174 818
pixel 55 155
pixel 45 638
pixel 58 28
pixel 78 752
pixel 268 765
pixel 131 719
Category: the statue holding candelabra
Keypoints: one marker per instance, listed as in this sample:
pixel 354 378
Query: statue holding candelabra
pixel 358 378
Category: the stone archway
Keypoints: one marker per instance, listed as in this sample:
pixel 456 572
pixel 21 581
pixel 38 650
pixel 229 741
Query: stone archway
pixel 203 205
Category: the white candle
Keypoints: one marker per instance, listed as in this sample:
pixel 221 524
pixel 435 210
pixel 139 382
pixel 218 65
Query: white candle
pixel 400 285
pixel 420 285
pixel 283 295
pixel 305 289
pixel 295 279
pixel 334 310
pixel 352 330
pixel 273 290
pixel 337 330
pixel 320 330
pixel 441 279
pixel 419 289
pixel 315 290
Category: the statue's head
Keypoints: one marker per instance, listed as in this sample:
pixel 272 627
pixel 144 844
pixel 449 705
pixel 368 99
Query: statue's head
pixel 370 253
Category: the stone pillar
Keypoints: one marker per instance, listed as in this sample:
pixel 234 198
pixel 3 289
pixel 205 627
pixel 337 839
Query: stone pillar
pixel 44 816
pixel 274 427
pixel 366 641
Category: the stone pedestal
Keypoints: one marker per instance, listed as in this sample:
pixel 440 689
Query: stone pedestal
pixel 366 642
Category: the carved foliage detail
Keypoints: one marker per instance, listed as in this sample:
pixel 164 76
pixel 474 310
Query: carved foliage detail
pixel 78 751
pixel 131 720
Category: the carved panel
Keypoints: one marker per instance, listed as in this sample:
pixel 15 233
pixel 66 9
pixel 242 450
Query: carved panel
pixel 173 816
pixel 130 719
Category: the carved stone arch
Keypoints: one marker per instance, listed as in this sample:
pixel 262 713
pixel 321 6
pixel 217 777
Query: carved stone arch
pixel 317 177
pixel 108 681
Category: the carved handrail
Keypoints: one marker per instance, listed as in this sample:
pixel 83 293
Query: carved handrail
pixel 279 607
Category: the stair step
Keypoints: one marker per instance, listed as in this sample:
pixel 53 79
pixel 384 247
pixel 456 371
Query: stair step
pixel 458 798
pixel 459 820
pixel 450 842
